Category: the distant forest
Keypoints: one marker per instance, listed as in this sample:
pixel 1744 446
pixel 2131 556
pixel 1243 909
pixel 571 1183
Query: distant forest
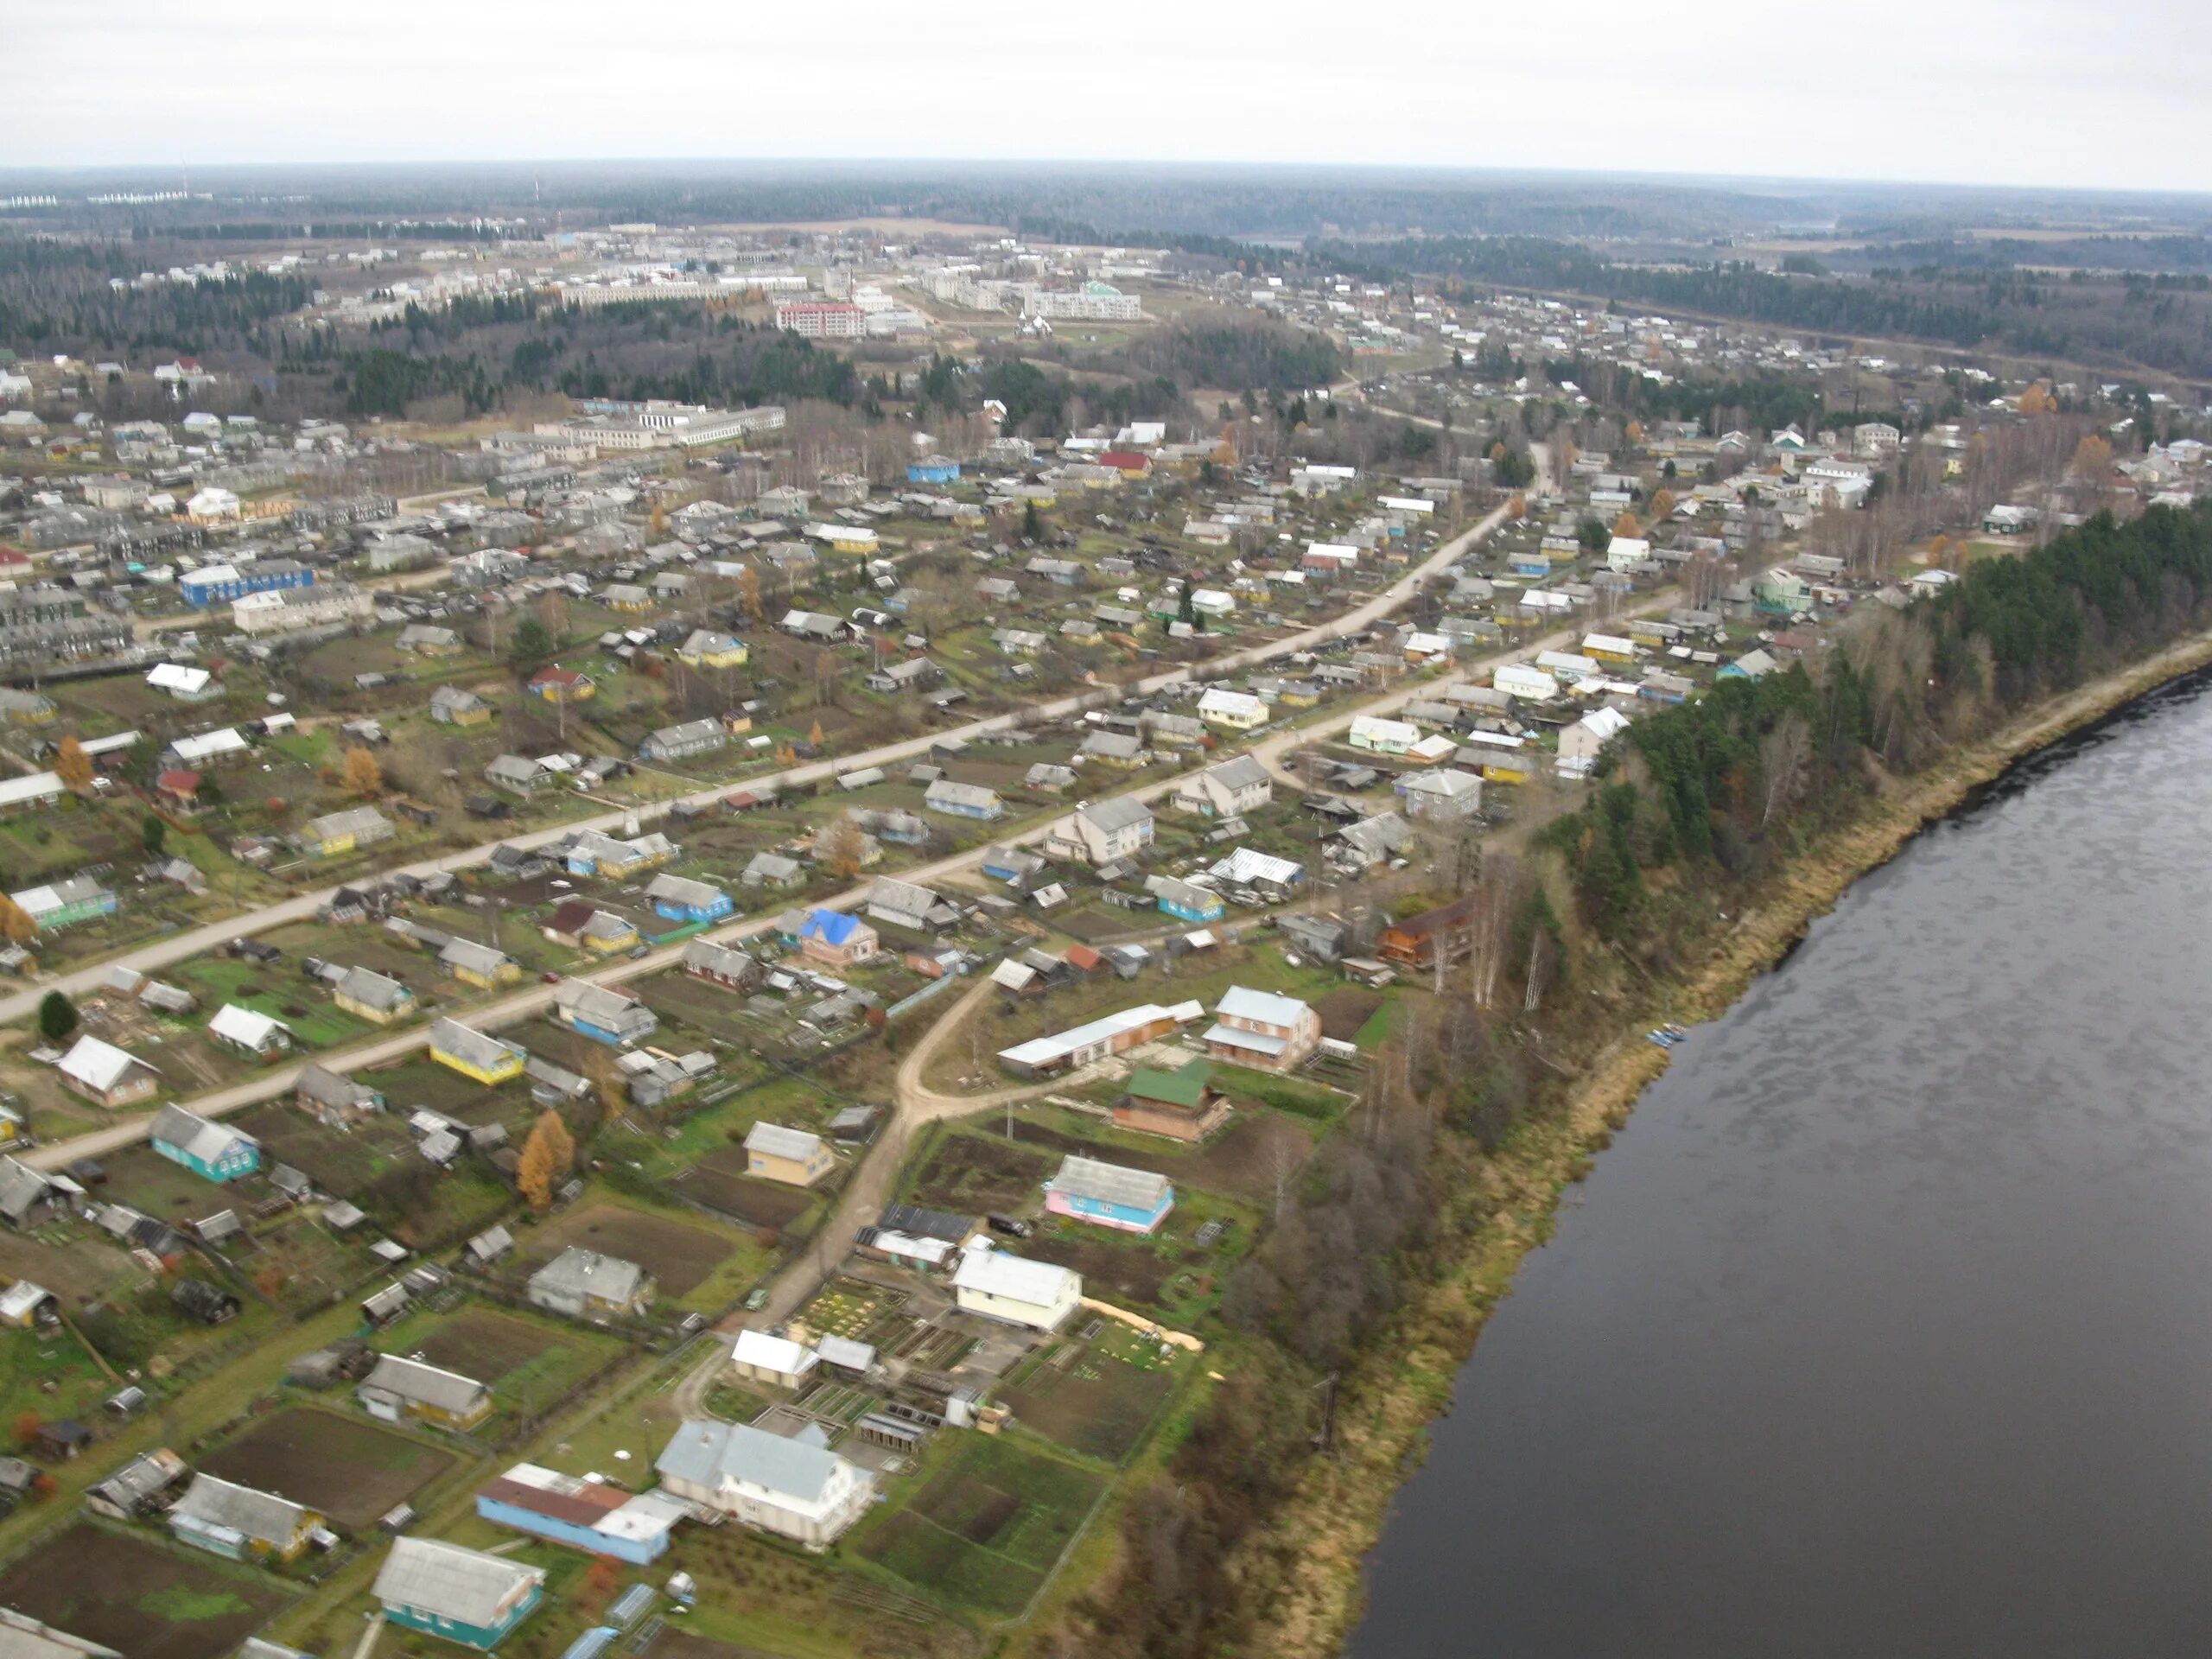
pixel 2124 321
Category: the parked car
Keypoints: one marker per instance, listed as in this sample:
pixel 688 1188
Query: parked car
pixel 1010 1226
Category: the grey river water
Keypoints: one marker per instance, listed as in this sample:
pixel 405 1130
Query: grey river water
pixel 1885 1326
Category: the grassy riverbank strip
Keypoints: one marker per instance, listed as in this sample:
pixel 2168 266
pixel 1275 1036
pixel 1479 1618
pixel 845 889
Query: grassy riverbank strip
pixel 1307 1571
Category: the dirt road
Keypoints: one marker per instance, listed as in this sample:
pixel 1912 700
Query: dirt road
pixel 200 941
pixel 534 1000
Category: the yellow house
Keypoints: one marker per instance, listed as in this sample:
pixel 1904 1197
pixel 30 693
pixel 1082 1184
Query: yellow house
pixel 400 1389
pixel 240 1523
pixel 375 997
pixel 706 649
pixel 606 932
pixel 846 538
pixel 1506 770
pixel 479 964
pixel 1297 693
pixel 795 1157
pixel 1239 711
pixel 483 1059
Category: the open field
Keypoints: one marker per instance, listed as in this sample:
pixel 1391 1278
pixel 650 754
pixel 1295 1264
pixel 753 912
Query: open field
pixel 351 1470
pixel 138 1597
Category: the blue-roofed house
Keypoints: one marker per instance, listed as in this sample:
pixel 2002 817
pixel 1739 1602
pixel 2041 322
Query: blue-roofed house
pixel 832 936
pixel 213 584
pixel 1134 1200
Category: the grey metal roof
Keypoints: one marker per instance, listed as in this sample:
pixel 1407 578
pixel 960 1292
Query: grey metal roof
pixel 189 1132
pixel 257 1515
pixel 378 990
pixel 683 890
pixel 467 953
pixel 1138 1189
pixel 600 1004
pixel 1241 773
pixel 778 1140
pixel 474 1046
pixel 1118 813
pixel 319 1081
pixel 712 1452
pixel 21 1187
pixel 412 1380
pixel 462 1584
pixel 580 1271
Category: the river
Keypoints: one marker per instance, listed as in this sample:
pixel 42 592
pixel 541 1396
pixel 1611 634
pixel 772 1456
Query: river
pixel 1884 1328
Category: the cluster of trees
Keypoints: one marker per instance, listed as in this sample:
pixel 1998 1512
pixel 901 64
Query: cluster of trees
pixel 1354 1230
pixel 1715 785
pixel 1259 356
pixel 55 296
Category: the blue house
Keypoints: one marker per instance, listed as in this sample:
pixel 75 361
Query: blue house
pixel 682 899
pixel 219 584
pixel 461 1595
pixel 599 1519
pixel 1531 563
pixel 1177 898
pixel 1134 1200
pixel 215 1151
pixel 933 469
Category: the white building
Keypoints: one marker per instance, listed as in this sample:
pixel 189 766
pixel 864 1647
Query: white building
pixel 796 1488
pixel 1037 1294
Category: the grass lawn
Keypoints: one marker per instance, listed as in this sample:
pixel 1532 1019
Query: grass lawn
pixel 278 990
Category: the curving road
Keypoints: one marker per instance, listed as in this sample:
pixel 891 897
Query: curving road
pixel 523 1003
pixel 201 941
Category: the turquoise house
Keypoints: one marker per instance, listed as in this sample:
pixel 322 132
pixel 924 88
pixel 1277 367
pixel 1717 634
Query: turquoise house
pixel 213 1151
pixel 1181 899
pixel 459 1595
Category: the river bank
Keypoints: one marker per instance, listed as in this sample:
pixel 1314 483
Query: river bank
pixel 1307 1575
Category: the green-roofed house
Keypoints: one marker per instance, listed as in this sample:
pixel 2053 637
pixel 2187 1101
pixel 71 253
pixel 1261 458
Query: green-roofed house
pixel 1183 1104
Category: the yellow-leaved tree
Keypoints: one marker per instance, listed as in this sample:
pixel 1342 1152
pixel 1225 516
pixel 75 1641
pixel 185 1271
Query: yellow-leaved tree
pixel 72 765
pixel 546 1157
pixel 1625 525
pixel 364 774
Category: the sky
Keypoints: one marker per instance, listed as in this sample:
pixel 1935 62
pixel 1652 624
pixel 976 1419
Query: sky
pixel 2063 92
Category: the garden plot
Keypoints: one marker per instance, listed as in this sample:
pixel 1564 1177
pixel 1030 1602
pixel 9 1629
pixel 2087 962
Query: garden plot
pixel 988 1528
pixel 140 1599
pixel 353 1471
pixel 1097 1397
pixel 682 1256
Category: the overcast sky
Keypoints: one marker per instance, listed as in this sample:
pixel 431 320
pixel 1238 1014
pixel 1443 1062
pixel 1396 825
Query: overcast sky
pixel 2011 92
